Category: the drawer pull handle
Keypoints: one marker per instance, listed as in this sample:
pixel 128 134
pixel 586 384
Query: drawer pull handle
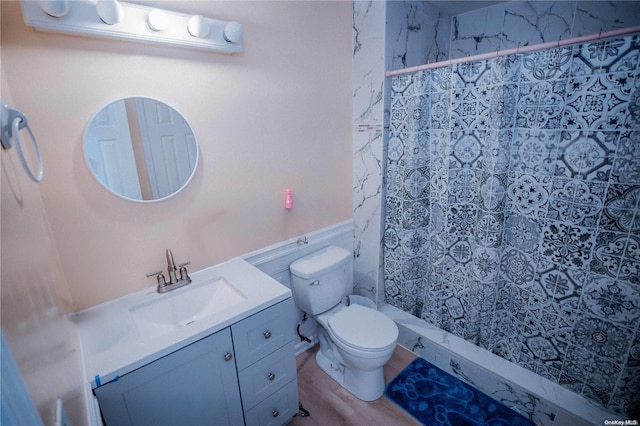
pixel 228 356
pixel 275 413
pixel 267 334
pixel 271 377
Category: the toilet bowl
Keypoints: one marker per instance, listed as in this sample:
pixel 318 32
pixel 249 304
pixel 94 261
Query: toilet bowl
pixel 355 341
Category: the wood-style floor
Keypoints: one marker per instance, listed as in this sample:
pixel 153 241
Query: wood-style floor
pixel 331 405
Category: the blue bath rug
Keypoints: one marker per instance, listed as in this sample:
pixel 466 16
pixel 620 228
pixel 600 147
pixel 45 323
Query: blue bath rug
pixel 436 398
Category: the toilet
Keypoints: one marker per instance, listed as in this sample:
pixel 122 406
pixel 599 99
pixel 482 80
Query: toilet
pixel 356 341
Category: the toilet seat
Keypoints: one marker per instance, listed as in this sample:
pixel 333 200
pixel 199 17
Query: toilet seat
pixel 363 328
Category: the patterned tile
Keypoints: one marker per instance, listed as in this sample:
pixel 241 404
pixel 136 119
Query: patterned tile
pixel 535 151
pixel 559 283
pixel 617 255
pixel 460 249
pixel 393 179
pixel 529 194
pixel 523 232
pixel 624 399
pixel 416 183
pixel 415 215
pixel 463 185
pixel 494 156
pixel 486 264
pixel 441 79
pixel 587 155
pixel 584 366
pixel 467 147
pixel 518 267
pixel 622 209
pixel 410 114
pixel 511 298
pixel 617 301
pixel 504 69
pixel 576 201
pixel 488 230
pixel 602 337
pixel 469 74
pixel 440 110
pixel 633 360
pixel 540 105
pixel 598 102
pixel 506 336
pixel 492 193
pixel 633 119
pixel 414 242
pixel 502 106
pixel 411 84
pixel 565 245
pixel 606 56
pixel 626 166
pixel 544 65
pixel 470 108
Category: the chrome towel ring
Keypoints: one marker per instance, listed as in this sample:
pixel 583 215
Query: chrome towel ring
pixel 12 121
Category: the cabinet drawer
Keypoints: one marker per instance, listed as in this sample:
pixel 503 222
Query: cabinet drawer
pixel 278 409
pixel 268 375
pixel 262 333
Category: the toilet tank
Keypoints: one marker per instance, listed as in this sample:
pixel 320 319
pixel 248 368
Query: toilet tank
pixel 320 280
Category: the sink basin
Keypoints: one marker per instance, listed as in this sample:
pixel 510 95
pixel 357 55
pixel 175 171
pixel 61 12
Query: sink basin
pixel 184 306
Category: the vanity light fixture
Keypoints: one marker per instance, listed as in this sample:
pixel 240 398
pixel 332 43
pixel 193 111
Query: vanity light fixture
pixel 157 20
pixel 129 21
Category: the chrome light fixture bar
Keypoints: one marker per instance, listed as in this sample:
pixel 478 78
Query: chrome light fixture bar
pixel 128 21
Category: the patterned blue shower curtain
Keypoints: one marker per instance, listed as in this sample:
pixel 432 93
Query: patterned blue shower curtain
pixel 513 210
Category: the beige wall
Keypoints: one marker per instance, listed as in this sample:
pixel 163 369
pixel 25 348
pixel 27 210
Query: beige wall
pixel 33 291
pixel 276 116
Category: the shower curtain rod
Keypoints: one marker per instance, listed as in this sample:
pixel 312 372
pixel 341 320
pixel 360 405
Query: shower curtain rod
pixel 517 50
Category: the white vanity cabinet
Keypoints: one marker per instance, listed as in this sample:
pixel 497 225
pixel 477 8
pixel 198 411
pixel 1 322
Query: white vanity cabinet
pixel 242 374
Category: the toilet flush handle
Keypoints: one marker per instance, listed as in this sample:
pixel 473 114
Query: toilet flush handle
pixel 316 282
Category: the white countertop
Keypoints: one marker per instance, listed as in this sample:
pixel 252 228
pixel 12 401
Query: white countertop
pixel 113 346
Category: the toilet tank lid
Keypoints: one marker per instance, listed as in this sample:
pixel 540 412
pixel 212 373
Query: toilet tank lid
pixel 320 261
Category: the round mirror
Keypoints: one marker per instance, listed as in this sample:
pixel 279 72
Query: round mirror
pixel 141 149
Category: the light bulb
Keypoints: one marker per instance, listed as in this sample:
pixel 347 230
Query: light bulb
pixel 233 32
pixel 198 26
pixel 110 11
pixel 157 20
pixel 55 8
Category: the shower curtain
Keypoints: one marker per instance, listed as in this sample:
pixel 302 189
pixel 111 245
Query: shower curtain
pixel 512 213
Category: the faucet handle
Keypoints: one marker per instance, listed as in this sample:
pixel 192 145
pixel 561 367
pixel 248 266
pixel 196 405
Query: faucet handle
pixel 184 275
pixel 160 277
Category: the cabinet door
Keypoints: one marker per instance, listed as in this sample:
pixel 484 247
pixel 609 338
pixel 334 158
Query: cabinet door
pixel 192 386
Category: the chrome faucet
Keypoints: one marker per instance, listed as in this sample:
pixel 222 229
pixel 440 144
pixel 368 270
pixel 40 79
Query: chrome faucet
pixel 171 267
pixel 174 281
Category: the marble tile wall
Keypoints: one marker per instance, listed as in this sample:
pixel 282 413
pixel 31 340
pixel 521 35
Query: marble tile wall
pixel 521 23
pixel 368 122
pixel 385 35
